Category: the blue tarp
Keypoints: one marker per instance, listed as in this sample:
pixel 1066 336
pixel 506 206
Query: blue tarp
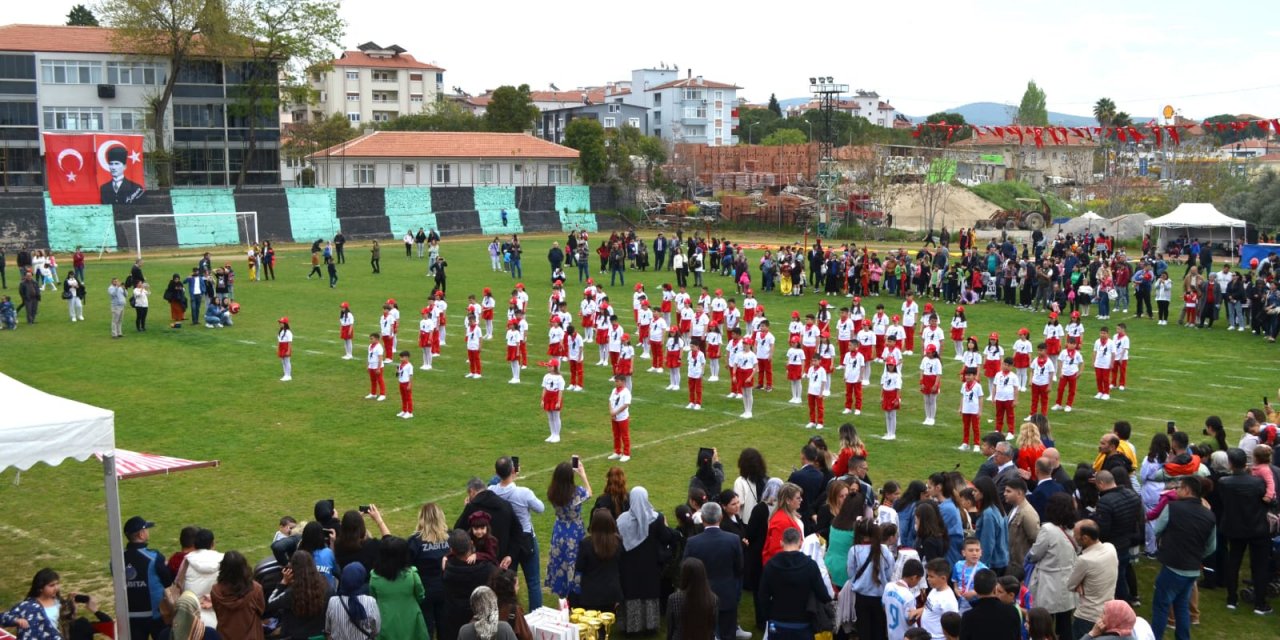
pixel 1259 251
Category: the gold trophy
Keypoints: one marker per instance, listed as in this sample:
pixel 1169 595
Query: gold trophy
pixel 595 625
pixel 583 630
pixel 608 620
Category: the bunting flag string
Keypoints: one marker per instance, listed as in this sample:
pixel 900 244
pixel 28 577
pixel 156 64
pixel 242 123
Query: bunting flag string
pixel 1159 133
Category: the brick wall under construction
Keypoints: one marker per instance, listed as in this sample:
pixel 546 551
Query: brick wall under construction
pixel 744 167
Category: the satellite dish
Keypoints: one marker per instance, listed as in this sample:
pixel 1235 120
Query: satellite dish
pixel 1168 112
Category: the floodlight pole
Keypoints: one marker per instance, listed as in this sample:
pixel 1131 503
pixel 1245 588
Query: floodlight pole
pixel 828 94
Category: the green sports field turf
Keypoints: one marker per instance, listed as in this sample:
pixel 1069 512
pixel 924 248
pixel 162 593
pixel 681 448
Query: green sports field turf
pixel 215 394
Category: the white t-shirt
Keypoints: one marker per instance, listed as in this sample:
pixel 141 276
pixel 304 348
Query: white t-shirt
pixel 620 398
pixel 971 397
pixel 347 320
pixel 1071 361
pixel 993 352
pixel 747 359
pixel 513 337
pixel 909 312
pixel 1042 372
pixel 880 323
pixel 795 356
pixel 386 324
pixel 898 602
pixel 375 356
pixel 809 335
pixel 474 334
pixel 959 323
pixel 866 338
pixel 615 338
pixel 658 330
pixel 891 381
pixel 931 367
pixel 427 325
pixel 853 364
pixel 1022 346
pixel 1053 331
pixel 553 382
pixel 404 372
pixel 644 318
pixel 932 336
pixel 845 330
pixel 1103 353
pixel 1006 385
pixel 575 347
pixel 938 602
pixel 972 360
pixel 764 346
pixel 697 362
pixel 817 380
pixel 1122 347
pixel 555 335
pixel 1074 330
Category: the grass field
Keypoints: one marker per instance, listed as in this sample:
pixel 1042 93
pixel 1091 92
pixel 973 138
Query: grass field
pixel 215 394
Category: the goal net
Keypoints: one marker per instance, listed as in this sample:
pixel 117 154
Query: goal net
pixel 182 230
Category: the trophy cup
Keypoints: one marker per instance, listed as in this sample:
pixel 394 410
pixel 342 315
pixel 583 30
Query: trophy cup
pixel 608 620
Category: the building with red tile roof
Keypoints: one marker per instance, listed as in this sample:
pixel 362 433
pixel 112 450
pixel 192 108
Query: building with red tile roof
pixel 689 109
pixel 374 84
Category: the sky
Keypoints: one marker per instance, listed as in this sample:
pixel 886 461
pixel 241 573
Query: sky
pixel 923 59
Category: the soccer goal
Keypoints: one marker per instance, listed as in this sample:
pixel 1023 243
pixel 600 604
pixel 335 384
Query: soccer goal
pixel 156 230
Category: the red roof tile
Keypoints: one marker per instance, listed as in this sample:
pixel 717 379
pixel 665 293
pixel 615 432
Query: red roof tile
pixel 362 59
pixel 992 140
pixel 434 144
pixel 38 37
pixel 694 82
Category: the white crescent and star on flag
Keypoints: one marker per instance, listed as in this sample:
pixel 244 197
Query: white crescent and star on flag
pixel 71 175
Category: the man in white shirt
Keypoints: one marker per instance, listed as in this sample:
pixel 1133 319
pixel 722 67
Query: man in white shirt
pixel 620 419
pixel 523 503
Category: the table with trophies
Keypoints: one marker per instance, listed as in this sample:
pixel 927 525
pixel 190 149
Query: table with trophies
pixel 570 624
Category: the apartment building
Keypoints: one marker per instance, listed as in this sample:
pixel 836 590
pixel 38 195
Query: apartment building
pixel 374 84
pixel 689 110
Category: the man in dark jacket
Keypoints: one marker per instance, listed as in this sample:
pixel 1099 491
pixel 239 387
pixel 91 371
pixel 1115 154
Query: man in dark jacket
pixel 146 577
pixel 555 256
pixel 29 293
pixel 1244 525
pixel 1118 516
pixel 659 252
pixel 504 525
pixel 460 580
pixel 788 581
pixel 1188 534
pixel 809 478
pixel 989 618
pixel 721 553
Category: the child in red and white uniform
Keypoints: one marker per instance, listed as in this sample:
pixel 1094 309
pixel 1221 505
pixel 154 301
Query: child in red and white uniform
pixel 474 335
pixel 615 340
pixel 587 312
pixel 626 359
pixel 387 331
pixel 1005 392
pixel 715 340
pixel 555 339
pixel 1053 334
pixel 732 315
pixel 704 302
pixel 809 339
pixel 1074 329
pixel 442 318
pixel 637 297
pixel 620 420
pixel 284 348
pixel 895 331
pixel 910 311
pixel 553 398
pixel 958 326
pixel 513 349
pixel 1043 373
pixel 992 356
pixel 795 328
pixel 846 327
pixel 644 320
pixel 857 312
pixel 932 334
pixel 697 365
pixel 473 308
pixel 1022 349
pixel 577 353
pixel 668 298
pixel 674 350
pixel 602 332
pixel 487 305
pixel 404 375
pixel 746 369
pixel 522 296
pixel 686 319
pixel 823 317
pixel 826 359
pixel 1070 361
pixel 764 343
pixel 1120 368
pixel 930 383
pixel 971 409
pixel 754 327
pixel 880 326
pixel 682 299
pixel 1104 355
pixel 818 380
pixel 346 328
pixel 854 365
pixel 971 358
pixel 718 307
pixel 374 362
pixel 795 369
pixel 395 327
pixel 698 329
pixel 749 304
pixel 866 339
pixel 523 324
pixel 891 350
pixel 657 338
pixel 1189 301
pixel 426 336
pixel 732 348
pixel 890 397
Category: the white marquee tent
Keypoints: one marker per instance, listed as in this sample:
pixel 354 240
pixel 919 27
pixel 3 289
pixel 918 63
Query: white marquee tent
pixel 1197 220
pixel 40 427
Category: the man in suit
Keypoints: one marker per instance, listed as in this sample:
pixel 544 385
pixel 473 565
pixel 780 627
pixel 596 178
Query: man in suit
pixel 721 552
pixel 989 618
pixel 809 478
pixel 1006 470
pixel 119 189
pixel 1024 524
pixel 503 523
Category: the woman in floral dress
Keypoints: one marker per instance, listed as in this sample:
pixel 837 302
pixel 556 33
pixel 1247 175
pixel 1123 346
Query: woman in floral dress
pixel 567 497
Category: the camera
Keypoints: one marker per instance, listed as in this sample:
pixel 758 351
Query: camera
pixel 82 598
pixel 1170 427
pixel 515 464
pixel 576 461
pixel 364 508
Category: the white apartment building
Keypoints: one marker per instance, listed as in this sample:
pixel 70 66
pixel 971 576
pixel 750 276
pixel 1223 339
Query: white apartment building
pixel 374 84
pixel 690 109
pixel 862 104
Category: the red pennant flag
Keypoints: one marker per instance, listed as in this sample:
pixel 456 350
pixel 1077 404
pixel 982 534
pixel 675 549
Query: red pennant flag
pixel 1155 131
pixel 71 167
pixel 916 133
pixel 1275 125
pixel 1119 131
pixel 1239 126
pixel 1264 125
pixel 1018 130
pixel 1000 132
pixel 1078 131
pixel 1097 131
pixel 1221 126
pixel 1136 135
pixel 1174 135
pixel 951 131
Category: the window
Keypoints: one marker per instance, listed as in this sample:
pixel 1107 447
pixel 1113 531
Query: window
pixel 73 118
pixel 695 132
pixel 444 173
pixel 693 94
pixel 18 67
pixel 353 75
pixel 657 117
pixel 18 114
pixel 409 168
pixel 610 123
pixel 385 76
pixel 719 96
pixel 70 72
pixel 485 173
pixel 695 112
pixel 415 98
pixel 382 116
pixel 135 73
pixel 353 97
pixel 415 77
pixel 633 122
pixel 657 99
pixel 353 116
pixel 197 116
pixel 558 173
pixel 363 173
pixel 615 108
pixel 719 133
pixel 129 120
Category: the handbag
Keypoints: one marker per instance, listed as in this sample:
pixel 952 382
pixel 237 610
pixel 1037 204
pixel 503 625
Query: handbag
pixel 822 614
pixel 1113 294
pixel 169 601
pixel 66 294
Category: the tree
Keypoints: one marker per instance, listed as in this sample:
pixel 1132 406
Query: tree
pixel 774 106
pixel 175 30
pixel 1258 202
pixel 754 124
pixel 81 16
pixel 1104 111
pixel 784 136
pixel 306 138
pixel 445 115
pixel 587 136
pixel 282 41
pixel 1032 110
pixel 1230 135
pixel 626 143
pixel 937 138
pixel 511 110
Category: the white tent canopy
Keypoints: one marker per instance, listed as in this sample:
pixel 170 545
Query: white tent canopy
pixel 1199 220
pixel 40 427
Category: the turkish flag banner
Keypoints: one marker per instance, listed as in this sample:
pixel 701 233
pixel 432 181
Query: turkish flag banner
pixel 94 169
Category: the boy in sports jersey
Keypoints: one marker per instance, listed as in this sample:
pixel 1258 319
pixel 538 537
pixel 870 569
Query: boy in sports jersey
pixel 375 362
pixel 854 365
pixel 1043 373
pixel 899 600
pixel 1005 392
pixel 764 342
pixel 795 369
pixel 1120 368
pixel 404 375
pixel 1104 354
pixel 513 350
pixel 697 364
pixel 1068 374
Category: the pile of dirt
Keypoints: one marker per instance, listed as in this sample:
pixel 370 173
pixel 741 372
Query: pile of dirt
pixel 960 208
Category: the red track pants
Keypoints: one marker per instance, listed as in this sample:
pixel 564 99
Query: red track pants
pixel 406 397
pixel 695 390
pixel 1119 373
pixel 575 373
pixel 970 424
pixel 377 385
pixel 1103 378
pixel 764 372
pixel 853 395
pixel 815 408
pixel 1069 382
pixel 1004 413
pixel 473 361
pixel 622 436
pixel 1039 398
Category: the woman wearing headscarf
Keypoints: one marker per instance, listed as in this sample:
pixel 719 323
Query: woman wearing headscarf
pixel 353 613
pixel 645 540
pixel 187 624
pixel 175 293
pixel 757 532
pixel 485 624
pixel 1117 622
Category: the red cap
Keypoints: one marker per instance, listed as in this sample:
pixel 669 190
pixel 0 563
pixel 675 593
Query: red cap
pixel 760 309
pixel 1024 332
pixel 514 301
pixel 1075 314
pixel 795 314
pixel 591 280
pixel 719 292
pixel 822 303
pixel 512 322
pixel 345 306
pixel 519 285
pixel 440 294
pixel 750 292
pixel 857 299
pixel 891 361
pixel 1053 315
pixel 639 286
pixel 866 324
pixel 391 301
pixel 283 320
pixel 604 304
pixel 554 362
pixel 644 303
pixel 931 348
pixel 487 291
pixel 713 324
pixel 426 310
pixel 993 336
pixel 928 306
pixel 626 337
pixel 897 318
pixel 749 340
pixel 795 339
pixel 1253 263
pixel 960 309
